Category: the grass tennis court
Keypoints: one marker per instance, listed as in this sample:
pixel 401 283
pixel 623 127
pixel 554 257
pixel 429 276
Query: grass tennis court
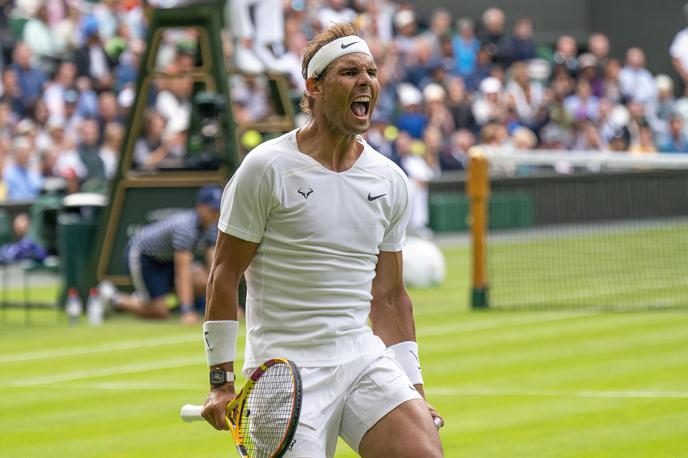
pixel 628 265
pixel 510 384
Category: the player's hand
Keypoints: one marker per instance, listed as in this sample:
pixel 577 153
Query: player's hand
pixel 190 318
pixel 436 417
pixel 215 407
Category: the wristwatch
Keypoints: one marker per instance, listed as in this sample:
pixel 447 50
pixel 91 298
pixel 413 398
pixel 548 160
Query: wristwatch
pixel 219 377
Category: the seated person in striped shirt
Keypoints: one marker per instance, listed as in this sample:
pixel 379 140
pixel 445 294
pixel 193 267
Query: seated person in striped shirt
pixel 160 258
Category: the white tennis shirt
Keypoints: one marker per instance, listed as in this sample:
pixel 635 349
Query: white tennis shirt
pixel 319 234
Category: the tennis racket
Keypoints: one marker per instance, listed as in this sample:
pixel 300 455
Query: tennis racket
pixel 263 416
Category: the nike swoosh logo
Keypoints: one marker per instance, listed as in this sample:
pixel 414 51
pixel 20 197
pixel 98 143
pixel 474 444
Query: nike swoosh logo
pixel 206 341
pixel 344 46
pixel 372 198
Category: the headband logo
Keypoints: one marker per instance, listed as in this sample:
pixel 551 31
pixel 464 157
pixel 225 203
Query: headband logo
pixel 344 46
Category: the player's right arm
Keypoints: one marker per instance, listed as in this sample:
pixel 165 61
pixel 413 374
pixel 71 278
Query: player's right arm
pixel 232 257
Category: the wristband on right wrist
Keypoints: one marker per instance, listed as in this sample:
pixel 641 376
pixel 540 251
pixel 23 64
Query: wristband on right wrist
pixel 406 354
pixel 220 338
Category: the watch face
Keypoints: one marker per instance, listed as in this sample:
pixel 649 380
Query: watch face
pixel 218 377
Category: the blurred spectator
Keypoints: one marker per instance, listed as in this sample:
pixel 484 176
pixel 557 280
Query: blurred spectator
pixel 555 137
pixel 637 83
pixel 460 105
pixel 483 69
pixel 12 92
pixel 46 45
pixel 565 56
pixel 620 141
pixel 54 95
pixel 259 43
pixel 439 115
pixel 21 178
pixel 174 97
pixel 582 104
pixel 494 38
pixel 455 157
pixel 113 136
pixel 91 58
pixel 108 111
pixel 405 39
pixel 375 22
pixel 522 44
pixel 611 85
pixel 149 149
pixel 84 166
pixel 419 171
pixel 588 137
pixel 598 46
pixel 494 134
pixel 440 27
pixel 526 96
pixel 335 12
pixel 523 139
pixel 645 143
pixel 587 64
pixel 421 62
pixel 491 104
pixel 675 141
pixel 30 79
pixel 465 46
pixel 678 51
pixel 411 118
pixel 659 113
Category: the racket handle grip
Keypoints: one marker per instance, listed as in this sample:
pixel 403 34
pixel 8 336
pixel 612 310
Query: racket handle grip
pixel 191 413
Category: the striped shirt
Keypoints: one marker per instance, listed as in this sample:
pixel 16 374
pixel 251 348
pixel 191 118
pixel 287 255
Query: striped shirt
pixel 178 232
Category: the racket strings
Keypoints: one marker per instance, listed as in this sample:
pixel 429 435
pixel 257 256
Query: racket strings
pixel 267 414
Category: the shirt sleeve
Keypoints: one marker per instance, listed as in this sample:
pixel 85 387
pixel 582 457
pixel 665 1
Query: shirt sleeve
pixel 395 235
pixel 248 199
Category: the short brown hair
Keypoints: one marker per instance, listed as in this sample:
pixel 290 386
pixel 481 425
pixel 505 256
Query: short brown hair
pixel 329 34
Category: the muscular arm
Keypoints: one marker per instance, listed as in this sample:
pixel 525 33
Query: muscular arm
pixel 391 312
pixel 231 258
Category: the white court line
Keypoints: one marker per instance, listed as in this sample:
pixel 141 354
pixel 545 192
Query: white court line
pixel 433 391
pixel 487 392
pixel 108 371
pixel 186 338
pixel 101 348
pixel 480 326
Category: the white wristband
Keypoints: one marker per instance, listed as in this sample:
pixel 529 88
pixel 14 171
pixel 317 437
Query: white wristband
pixel 406 354
pixel 220 341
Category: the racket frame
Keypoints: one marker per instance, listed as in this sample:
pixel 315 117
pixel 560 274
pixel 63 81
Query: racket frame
pixel 236 407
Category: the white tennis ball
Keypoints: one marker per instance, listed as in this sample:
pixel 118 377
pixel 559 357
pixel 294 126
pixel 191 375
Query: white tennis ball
pixel 424 264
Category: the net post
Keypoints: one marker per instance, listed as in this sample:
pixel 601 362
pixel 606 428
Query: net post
pixel 478 191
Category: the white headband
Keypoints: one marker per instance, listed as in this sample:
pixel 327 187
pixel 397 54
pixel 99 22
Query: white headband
pixel 334 49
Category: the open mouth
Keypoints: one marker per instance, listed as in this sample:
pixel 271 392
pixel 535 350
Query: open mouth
pixel 360 107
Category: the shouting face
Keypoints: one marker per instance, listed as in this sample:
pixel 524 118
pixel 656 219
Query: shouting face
pixel 347 94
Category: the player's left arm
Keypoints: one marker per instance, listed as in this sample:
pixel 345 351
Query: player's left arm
pixel 391 317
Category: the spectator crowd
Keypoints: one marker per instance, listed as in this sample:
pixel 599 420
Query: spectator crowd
pixel 69 70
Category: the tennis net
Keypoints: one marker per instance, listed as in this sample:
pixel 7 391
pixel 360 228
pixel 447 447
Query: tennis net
pixel 595 230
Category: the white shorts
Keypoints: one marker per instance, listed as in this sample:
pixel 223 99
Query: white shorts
pixel 347 400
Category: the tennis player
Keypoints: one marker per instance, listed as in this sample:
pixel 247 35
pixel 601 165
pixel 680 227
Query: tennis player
pixel 317 218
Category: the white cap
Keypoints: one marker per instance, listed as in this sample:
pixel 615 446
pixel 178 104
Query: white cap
pixel 404 18
pixel 433 93
pixel 409 94
pixel 664 83
pixel 619 116
pixel 490 85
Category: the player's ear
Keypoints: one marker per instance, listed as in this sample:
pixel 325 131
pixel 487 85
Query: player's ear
pixel 313 87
